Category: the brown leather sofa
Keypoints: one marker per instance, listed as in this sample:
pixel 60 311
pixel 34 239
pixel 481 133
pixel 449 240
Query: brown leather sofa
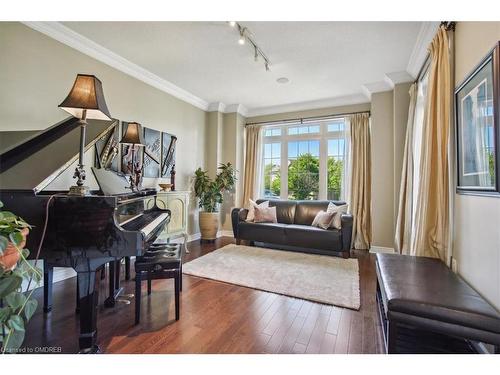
pixel 293 231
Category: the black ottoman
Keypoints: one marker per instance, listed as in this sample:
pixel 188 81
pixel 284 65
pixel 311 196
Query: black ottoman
pixel 423 296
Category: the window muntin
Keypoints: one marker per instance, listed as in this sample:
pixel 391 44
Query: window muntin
pixel 303 129
pixel 272 132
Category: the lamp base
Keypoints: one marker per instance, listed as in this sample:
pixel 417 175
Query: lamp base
pixel 79 190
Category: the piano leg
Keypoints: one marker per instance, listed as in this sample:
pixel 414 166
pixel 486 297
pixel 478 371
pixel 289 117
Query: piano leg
pixel 110 301
pixel 48 276
pixel 127 268
pixel 114 283
pixel 88 292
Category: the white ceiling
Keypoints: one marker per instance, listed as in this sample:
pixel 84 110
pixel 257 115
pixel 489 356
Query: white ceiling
pixel 326 62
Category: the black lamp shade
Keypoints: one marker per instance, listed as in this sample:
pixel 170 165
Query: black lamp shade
pixel 86 94
pixel 133 135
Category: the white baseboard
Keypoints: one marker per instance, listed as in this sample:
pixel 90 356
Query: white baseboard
pixel 225 233
pixel 382 249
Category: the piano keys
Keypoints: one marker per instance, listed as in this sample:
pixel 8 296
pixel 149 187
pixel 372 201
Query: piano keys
pixel 85 232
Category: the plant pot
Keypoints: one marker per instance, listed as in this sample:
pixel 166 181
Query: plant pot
pixel 209 225
pixel 11 255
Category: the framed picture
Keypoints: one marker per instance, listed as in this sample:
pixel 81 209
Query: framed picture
pixel 126 163
pixel 168 154
pixel 477 120
pixel 152 153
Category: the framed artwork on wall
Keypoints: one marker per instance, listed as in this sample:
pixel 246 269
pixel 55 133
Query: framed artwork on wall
pixel 168 154
pixel 106 149
pixel 152 153
pixel 477 126
pixel 126 165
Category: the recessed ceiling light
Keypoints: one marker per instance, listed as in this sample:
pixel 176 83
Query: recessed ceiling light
pixel 283 80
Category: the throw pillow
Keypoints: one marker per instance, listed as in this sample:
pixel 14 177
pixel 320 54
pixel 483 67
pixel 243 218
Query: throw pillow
pixel 251 209
pixel 337 214
pixel 323 219
pixel 265 215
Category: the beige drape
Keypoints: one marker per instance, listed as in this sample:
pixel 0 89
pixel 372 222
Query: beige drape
pixel 360 180
pixel 404 219
pixel 431 237
pixel 251 176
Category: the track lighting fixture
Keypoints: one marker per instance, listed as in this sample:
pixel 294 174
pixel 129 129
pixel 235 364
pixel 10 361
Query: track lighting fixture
pixel 246 36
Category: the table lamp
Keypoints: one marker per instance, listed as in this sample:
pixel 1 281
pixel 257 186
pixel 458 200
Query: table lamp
pixel 84 101
pixel 133 137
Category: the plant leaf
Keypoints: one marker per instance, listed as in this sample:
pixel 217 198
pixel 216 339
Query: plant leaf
pixel 5 313
pixel 9 284
pixel 4 242
pixel 16 323
pixel 30 308
pixel 1 204
pixel 16 238
pixel 15 341
pixel 15 300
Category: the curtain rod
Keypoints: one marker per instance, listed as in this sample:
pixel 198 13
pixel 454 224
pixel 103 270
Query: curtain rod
pixel 449 26
pixel 301 119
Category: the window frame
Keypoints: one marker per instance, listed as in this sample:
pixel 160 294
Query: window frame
pixel 323 136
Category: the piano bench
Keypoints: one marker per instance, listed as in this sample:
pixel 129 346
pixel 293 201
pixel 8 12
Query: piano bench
pixel 160 262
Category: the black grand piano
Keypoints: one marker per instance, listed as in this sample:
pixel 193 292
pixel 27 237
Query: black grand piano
pixel 86 232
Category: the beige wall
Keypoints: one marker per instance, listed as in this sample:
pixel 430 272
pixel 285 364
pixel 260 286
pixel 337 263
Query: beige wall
pixel 36 73
pixel 477 219
pixel 382 132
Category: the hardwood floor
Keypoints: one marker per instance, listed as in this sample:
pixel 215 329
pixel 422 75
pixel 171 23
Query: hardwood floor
pixel 215 318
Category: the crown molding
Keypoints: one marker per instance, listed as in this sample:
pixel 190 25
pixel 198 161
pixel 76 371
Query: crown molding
pixel 65 35
pixel 374 87
pixel 238 108
pixel 216 107
pixel 419 53
pixel 303 106
pixel 396 78
pixel 231 108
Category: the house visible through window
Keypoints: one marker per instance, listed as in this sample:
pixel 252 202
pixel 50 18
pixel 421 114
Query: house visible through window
pixel 305 161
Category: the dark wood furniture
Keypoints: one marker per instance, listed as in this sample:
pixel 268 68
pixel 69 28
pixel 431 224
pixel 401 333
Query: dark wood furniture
pixel 161 261
pixel 82 232
pixel 426 308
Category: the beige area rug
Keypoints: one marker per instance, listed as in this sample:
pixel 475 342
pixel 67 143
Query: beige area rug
pixel 318 278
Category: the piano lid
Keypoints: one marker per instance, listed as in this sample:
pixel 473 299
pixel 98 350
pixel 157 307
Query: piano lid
pixel 36 162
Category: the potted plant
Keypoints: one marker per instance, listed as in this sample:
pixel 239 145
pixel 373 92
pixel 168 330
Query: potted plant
pixel 16 308
pixel 210 195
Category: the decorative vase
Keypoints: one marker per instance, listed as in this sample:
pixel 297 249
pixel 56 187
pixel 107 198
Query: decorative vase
pixel 209 225
pixel 10 257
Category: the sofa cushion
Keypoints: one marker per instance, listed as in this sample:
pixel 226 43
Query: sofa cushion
pixel 306 210
pixel 313 238
pixel 263 232
pixel 425 287
pixel 265 215
pixel 285 210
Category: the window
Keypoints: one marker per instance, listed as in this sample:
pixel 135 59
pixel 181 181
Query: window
pixel 272 163
pixel 305 161
pixel 335 167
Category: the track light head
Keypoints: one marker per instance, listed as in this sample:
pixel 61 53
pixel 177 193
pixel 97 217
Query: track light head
pixel 267 66
pixel 232 23
pixel 241 41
